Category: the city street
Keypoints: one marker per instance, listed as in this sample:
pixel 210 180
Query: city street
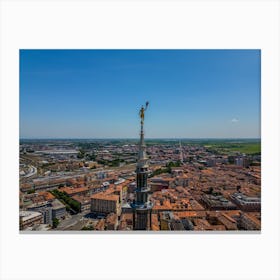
pixel 73 220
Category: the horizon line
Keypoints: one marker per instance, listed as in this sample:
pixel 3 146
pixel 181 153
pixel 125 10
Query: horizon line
pixel 132 138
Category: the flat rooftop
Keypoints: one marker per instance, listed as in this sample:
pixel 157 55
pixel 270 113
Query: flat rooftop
pixel 27 215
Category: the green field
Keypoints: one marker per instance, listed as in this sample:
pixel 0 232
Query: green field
pixel 229 148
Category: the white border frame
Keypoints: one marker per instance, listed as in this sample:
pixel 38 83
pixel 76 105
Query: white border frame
pixel 139 24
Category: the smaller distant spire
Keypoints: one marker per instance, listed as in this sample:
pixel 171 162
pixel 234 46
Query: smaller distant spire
pixel 181 153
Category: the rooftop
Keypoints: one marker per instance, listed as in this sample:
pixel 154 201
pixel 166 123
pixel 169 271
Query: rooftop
pixel 69 190
pixel 47 195
pixel 26 215
pixel 56 204
pixel 102 196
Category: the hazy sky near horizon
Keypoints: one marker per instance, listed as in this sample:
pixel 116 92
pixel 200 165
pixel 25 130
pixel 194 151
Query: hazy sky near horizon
pixel 98 93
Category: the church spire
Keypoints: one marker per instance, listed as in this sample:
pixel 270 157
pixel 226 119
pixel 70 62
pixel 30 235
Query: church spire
pixel 142 157
pixel 141 205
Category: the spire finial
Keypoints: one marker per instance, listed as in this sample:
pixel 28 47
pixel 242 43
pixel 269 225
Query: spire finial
pixel 142 112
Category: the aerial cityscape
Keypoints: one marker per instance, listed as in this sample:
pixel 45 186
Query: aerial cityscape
pixel 138 162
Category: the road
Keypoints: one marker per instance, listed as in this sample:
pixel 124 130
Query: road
pixel 69 222
pixel 31 171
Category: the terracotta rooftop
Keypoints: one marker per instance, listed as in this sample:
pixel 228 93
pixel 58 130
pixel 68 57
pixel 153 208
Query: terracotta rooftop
pixel 82 199
pixel 74 190
pixel 112 218
pixel 100 225
pixel 47 195
pixel 102 196
pixel 126 216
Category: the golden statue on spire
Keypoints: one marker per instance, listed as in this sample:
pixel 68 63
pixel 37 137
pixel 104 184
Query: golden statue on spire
pixel 141 112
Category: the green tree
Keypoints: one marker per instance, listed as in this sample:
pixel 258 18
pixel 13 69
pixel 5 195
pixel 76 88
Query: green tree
pixel 90 227
pixel 31 191
pixel 81 154
pixel 55 222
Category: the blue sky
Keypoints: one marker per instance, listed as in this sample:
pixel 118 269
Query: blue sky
pixel 98 93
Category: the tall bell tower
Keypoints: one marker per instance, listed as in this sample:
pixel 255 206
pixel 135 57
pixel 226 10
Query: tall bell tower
pixel 142 207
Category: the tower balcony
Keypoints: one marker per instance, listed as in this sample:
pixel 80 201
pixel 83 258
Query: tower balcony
pixel 143 189
pixel 142 206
